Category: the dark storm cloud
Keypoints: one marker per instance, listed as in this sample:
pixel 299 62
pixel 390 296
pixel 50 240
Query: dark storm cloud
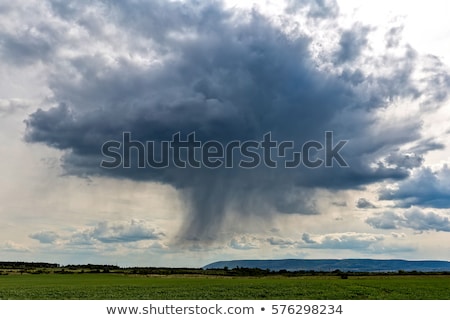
pixel 412 219
pixel 425 188
pixel 363 203
pixel 225 76
pixel 24 48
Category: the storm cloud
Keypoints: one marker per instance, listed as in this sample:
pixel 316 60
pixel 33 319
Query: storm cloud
pixel 425 188
pixel 225 75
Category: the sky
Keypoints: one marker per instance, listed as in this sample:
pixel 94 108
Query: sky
pixel 75 75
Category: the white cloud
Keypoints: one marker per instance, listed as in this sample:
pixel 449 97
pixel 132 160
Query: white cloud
pixel 119 232
pixel 12 246
pixel 125 232
pixel 414 218
pixel 345 241
pixel 348 240
pixel 244 243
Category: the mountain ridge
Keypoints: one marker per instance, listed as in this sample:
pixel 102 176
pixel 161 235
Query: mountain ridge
pixel 362 265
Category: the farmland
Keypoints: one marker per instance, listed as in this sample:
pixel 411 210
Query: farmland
pixel 125 286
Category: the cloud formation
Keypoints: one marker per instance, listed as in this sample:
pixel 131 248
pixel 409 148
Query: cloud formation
pixel 412 219
pixel 364 204
pixel 348 241
pixel 46 237
pixel 425 188
pixel 103 232
pixel 339 241
pixel 244 243
pixel 11 246
pixel 157 68
pixel 133 231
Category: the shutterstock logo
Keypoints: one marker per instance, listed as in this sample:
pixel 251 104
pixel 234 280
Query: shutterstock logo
pixel 189 152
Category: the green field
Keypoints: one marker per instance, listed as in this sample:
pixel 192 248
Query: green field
pixel 124 287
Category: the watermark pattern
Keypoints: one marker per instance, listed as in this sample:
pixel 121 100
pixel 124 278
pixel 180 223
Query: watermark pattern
pixel 213 154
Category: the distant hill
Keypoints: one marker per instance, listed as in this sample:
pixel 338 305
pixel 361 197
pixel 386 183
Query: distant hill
pixel 361 265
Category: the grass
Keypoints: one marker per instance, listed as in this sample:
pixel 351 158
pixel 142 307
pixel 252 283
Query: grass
pixel 125 287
